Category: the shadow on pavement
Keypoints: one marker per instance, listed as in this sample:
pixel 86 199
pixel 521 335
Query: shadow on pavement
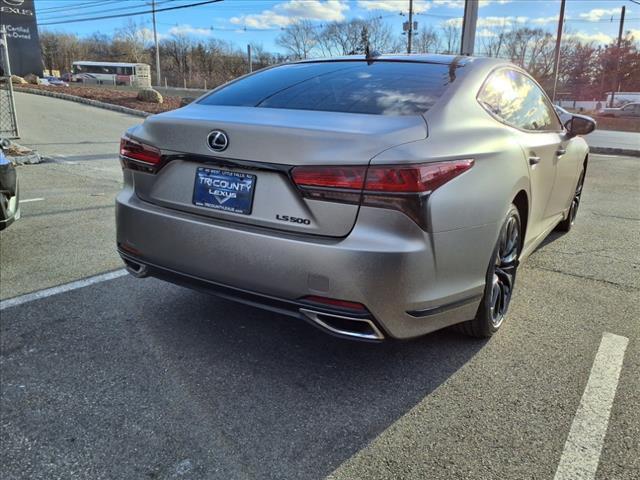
pixel 139 379
pixel 553 236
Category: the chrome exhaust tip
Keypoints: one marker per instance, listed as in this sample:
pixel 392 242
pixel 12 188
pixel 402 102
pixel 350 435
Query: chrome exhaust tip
pixel 136 269
pixel 352 327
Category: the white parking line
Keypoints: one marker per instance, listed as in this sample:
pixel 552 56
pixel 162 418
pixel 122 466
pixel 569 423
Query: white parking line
pixel 27 200
pixel 47 292
pixel 582 449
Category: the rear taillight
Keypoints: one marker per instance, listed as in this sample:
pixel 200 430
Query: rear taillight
pixel 330 177
pixel 334 184
pixel 424 178
pixel 400 187
pixel 130 149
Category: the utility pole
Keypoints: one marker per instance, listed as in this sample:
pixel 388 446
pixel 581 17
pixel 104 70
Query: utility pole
pixel 155 39
pixel 410 31
pixel 249 58
pixel 469 22
pixel 556 56
pixel 616 75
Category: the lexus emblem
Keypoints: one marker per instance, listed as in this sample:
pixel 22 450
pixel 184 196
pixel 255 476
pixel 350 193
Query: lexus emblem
pixel 14 3
pixel 218 141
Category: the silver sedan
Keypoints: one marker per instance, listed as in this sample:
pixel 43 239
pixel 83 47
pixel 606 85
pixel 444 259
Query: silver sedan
pixel 376 198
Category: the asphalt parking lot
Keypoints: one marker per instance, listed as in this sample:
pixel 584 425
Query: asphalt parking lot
pixel 128 378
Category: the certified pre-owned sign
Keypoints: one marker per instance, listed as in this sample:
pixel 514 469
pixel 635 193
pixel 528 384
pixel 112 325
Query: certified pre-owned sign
pixel 18 17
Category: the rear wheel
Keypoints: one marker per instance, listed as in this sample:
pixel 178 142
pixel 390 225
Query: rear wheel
pixel 567 223
pixel 500 280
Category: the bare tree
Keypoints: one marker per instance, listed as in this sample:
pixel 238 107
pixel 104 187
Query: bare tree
pixel 426 41
pixel 451 33
pixel 176 50
pixel 492 40
pixel 341 38
pixel 346 38
pixel 299 39
pixel 132 42
pixel 60 50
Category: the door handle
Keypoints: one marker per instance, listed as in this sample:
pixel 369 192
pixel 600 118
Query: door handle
pixel 560 152
pixel 534 160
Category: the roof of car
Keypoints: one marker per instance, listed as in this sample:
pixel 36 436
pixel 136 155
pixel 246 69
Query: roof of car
pixel 414 57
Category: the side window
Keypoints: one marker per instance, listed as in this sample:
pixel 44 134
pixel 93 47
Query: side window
pixel 517 100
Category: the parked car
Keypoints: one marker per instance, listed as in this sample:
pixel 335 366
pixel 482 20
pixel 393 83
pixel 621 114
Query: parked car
pixel 9 190
pixel 628 110
pixel 376 198
pixel 55 81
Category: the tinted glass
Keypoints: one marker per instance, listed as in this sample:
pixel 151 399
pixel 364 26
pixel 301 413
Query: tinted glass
pixel 516 99
pixel 383 88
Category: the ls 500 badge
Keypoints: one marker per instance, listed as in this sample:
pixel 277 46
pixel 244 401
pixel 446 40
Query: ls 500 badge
pixel 287 218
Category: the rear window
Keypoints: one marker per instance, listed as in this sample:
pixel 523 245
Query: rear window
pixel 380 88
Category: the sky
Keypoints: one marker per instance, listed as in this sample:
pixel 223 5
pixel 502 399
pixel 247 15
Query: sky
pixel 260 21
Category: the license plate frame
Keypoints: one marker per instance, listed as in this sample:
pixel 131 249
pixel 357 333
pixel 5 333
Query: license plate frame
pixel 224 190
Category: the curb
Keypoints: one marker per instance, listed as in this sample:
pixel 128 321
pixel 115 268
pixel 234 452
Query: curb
pixel 86 101
pixel 32 158
pixel 26 156
pixel 615 151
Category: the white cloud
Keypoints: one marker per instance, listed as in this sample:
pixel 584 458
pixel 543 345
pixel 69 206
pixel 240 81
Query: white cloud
pixel 419 6
pixel 635 33
pixel 597 13
pixel 599 38
pixel 545 20
pixel 456 22
pixel 286 13
pixel 489 22
pixel 266 19
pixel 460 3
pixel 485 32
pixel 186 29
pixel 145 34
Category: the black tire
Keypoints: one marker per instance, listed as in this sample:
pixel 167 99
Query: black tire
pixel 566 224
pixel 500 280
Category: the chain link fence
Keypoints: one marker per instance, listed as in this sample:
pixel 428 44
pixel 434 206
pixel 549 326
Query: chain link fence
pixel 8 118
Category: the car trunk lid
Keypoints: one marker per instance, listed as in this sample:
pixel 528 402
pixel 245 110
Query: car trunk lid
pixel 263 145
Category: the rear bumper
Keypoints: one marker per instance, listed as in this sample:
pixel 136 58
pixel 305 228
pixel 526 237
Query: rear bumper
pixel 411 282
pixel 360 325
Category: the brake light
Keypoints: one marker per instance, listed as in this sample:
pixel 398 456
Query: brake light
pixel 398 187
pixel 134 150
pixel 421 178
pixel 330 177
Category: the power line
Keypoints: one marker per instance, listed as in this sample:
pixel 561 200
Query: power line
pixel 130 14
pixel 94 3
pixel 56 16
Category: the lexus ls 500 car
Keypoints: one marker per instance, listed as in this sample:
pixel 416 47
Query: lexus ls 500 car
pixel 376 198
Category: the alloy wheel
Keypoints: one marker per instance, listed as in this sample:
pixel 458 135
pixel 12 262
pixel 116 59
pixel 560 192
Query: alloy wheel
pixel 575 203
pixel 505 270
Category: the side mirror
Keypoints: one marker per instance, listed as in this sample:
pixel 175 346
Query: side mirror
pixel 184 101
pixel 580 125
